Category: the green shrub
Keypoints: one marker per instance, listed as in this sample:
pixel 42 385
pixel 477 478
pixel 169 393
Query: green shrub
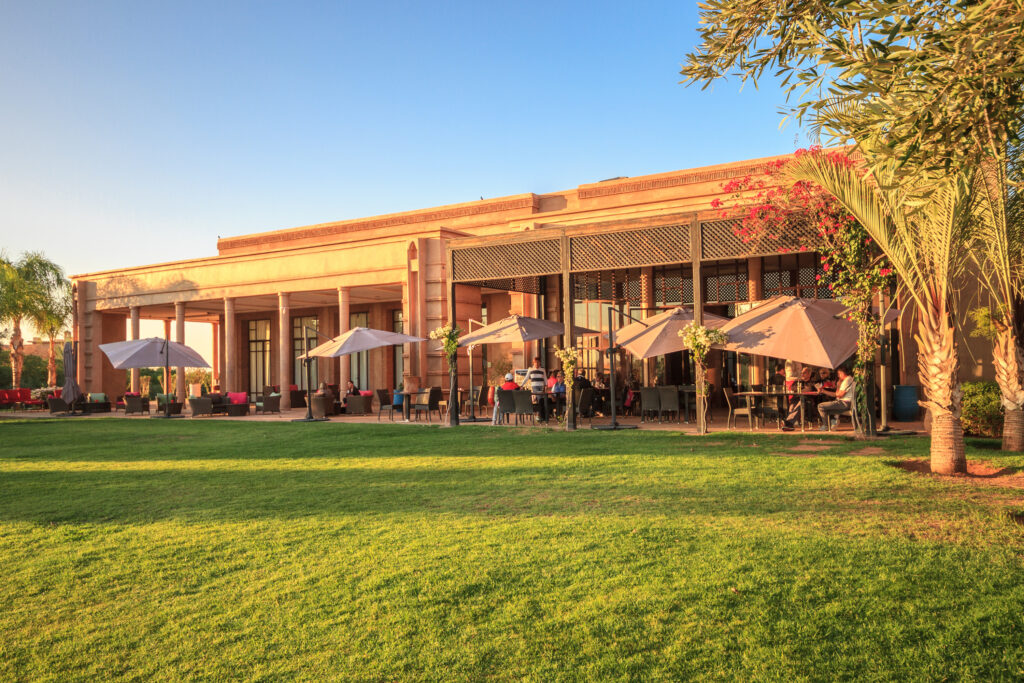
pixel 982 412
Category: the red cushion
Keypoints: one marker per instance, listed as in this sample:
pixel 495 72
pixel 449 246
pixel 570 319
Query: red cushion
pixel 24 394
pixel 237 397
pixel 366 393
pixel 58 393
pixel 293 387
pixel 3 396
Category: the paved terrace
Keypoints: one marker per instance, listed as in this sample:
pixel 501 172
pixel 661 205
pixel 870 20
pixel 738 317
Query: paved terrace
pixel 717 424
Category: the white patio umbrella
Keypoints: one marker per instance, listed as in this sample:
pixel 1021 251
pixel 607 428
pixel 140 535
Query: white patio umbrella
pixel 71 392
pixel 659 334
pixel 517 328
pixel 153 352
pixel 811 331
pixel 359 339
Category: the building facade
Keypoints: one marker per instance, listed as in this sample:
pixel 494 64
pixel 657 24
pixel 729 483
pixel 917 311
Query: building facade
pixel 629 245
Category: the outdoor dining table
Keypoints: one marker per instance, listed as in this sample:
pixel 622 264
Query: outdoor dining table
pixel 802 395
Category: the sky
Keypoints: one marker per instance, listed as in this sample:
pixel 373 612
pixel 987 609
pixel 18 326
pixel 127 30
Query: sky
pixel 139 132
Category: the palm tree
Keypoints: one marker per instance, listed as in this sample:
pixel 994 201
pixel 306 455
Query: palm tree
pixel 921 228
pixel 998 250
pixel 25 285
pixel 52 319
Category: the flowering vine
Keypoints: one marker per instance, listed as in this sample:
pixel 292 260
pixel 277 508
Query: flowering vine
pixel 448 335
pixel 771 208
pixel 698 340
pixel 569 358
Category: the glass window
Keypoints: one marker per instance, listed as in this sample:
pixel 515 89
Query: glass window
pixel 303 335
pixel 259 355
pixel 359 363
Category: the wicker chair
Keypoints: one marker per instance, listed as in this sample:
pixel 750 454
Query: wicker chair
pixel 201 406
pixel 428 400
pixel 358 405
pixel 136 405
pixel 386 401
pixel 523 401
pixel 650 402
pixel 506 404
pixel 668 398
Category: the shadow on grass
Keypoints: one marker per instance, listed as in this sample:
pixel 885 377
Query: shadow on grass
pixel 224 495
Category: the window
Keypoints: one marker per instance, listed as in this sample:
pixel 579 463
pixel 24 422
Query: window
pixel 725 282
pixel 259 355
pixel 797 274
pixel 303 334
pixel 359 363
pixel 397 358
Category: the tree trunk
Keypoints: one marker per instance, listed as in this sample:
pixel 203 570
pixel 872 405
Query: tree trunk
pixel 453 398
pixel 1013 430
pixel 570 406
pixel 17 354
pixel 947 448
pixel 51 366
pixel 702 423
pixel 1007 362
pixel 937 365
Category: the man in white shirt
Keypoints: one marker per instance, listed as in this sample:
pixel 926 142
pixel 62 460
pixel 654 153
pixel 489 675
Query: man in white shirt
pixel 535 381
pixel 844 395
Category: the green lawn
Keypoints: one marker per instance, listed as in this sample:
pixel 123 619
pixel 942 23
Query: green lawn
pixel 137 549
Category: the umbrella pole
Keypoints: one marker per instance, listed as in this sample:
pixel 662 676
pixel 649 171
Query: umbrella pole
pixel 611 374
pixel 472 404
pixel 308 362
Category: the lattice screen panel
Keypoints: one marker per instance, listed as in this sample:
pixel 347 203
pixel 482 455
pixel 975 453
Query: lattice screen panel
pixel 650 246
pixel 506 260
pixel 527 285
pixel 719 240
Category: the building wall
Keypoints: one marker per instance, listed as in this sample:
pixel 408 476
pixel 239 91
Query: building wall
pixel 398 257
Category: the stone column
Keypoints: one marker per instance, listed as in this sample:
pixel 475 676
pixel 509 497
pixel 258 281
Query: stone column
pixel 179 336
pixel 135 335
pixel 165 386
pixel 284 349
pixel 344 312
pixel 230 346
pixel 215 361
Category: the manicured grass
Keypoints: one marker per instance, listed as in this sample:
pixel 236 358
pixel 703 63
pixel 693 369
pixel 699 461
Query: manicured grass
pixel 137 549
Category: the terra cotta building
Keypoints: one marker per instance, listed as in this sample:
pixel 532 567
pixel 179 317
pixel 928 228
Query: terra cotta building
pixel 639 243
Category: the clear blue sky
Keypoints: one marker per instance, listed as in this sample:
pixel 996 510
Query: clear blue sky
pixel 137 132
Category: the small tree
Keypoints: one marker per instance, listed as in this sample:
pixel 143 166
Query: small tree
pixel 698 340
pixel 448 335
pixel 569 358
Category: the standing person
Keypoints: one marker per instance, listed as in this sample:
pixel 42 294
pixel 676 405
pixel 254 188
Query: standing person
pixel 843 394
pixel 536 382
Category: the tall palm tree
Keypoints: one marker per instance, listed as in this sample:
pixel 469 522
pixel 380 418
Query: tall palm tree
pixel 922 233
pixel 25 285
pixel 998 250
pixel 52 319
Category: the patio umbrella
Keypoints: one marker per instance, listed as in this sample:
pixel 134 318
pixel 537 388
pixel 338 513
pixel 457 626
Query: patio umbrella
pixel 153 352
pixel 70 393
pixel 359 339
pixel 659 334
pixel 791 328
pixel 517 328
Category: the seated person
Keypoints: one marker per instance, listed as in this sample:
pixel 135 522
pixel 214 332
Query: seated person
pixel 558 391
pixel 778 378
pixel 825 379
pixel 509 385
pixel 552 378
pixel 350 388
pixel 843 394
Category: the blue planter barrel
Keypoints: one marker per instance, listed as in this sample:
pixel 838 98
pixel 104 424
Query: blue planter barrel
pixel 904 403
